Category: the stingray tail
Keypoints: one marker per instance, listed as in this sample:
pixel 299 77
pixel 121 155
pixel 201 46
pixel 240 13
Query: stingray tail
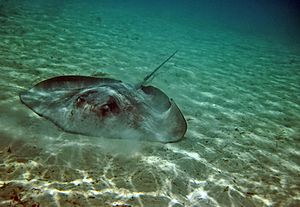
pixel 149 77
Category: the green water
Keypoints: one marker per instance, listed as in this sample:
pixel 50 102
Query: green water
pixel 238 88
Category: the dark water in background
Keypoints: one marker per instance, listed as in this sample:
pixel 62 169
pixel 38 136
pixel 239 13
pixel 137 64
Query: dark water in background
pixel 272 18
pixel 236 78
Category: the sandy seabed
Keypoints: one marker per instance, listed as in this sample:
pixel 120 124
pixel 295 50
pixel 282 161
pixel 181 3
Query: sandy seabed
pixel 239 94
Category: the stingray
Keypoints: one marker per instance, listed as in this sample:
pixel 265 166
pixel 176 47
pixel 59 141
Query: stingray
pixel 105 107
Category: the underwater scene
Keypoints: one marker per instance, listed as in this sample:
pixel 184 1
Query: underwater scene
pixel 162 103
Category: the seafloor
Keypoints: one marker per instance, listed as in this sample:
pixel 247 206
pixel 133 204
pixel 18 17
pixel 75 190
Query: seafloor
pixel 239 92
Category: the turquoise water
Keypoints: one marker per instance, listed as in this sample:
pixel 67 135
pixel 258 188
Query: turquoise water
pixel 236 79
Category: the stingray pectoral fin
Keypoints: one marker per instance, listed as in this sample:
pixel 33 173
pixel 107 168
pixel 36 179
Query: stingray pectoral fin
pixel 172 125
pixel 158 98
pixel 56 91
pixel 52 98
pixel 51 105
pixel 72 82
pixel 175 124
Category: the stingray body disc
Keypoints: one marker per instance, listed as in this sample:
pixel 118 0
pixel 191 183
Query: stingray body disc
pixel 104 107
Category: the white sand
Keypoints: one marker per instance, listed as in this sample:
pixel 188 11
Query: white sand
pixel 240 94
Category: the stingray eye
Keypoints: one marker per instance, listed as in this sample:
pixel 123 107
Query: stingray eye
pixel 104 110
pixel 80 102
pixel 110 107
pixel 113 105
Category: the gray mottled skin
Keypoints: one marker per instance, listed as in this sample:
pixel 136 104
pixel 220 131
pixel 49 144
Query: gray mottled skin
pixel 107 107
